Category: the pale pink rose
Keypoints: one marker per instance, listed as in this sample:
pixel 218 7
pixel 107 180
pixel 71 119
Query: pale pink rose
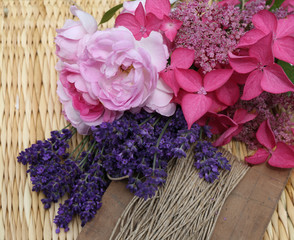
pixel 80 106
pixel 160 100
pixel 122 72
pixel 68 37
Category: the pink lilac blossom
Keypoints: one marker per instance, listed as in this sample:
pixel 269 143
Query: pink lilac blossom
pixel 210 30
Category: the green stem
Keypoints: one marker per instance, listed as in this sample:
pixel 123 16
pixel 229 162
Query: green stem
pixel 159 139
pixel 77 147
pixel 157 120
pixel 146 120
pixel 81 149
pixel 200 135
pixel 84 160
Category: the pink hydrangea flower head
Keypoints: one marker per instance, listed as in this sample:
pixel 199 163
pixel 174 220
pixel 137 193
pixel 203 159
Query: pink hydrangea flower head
pixel 196 100
pixel 140 24
pixel 282 30
pixel 265 75
pixel 210 30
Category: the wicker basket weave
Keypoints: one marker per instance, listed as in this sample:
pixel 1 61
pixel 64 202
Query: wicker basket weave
pixel 30 109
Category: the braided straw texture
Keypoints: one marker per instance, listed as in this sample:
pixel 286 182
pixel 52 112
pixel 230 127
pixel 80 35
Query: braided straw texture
pixel 29 110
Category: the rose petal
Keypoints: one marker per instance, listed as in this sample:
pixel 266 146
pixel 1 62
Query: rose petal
pixel 87 20
pixel 156 49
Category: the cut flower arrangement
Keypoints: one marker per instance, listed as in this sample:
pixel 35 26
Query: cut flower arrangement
pixel 165 79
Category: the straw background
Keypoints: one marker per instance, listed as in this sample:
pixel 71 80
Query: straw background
pixel 29 110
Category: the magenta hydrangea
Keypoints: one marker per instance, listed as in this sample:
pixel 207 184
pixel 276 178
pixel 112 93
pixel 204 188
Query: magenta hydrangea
pixel 210 30
pixel 277 108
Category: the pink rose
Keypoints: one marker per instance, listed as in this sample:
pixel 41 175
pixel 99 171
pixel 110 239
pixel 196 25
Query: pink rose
pixel 104 73
pixel 160 100
pixel 68 37
pixel 81 107
pixel 123 72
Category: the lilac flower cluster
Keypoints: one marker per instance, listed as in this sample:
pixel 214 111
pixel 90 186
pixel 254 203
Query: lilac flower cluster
pixel 268 106
pixel 48 170
pixel 86 193
pixel 209 161
pixel 210 30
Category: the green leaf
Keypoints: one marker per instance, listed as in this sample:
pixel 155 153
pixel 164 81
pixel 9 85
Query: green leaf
pixel 277 4
pixel 288 69
pixel 110 13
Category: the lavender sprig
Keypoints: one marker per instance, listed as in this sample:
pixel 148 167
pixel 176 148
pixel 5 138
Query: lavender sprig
pixel 50 170
pixel 209 161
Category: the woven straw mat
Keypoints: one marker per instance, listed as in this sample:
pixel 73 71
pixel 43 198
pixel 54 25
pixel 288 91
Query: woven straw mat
pixel 29 110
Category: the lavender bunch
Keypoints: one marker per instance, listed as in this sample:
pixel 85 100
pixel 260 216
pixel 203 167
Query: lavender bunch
pixel 50 170
pixel 86 193
pixel 140 147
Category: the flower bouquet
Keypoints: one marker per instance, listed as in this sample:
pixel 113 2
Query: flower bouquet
pixel 160 83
